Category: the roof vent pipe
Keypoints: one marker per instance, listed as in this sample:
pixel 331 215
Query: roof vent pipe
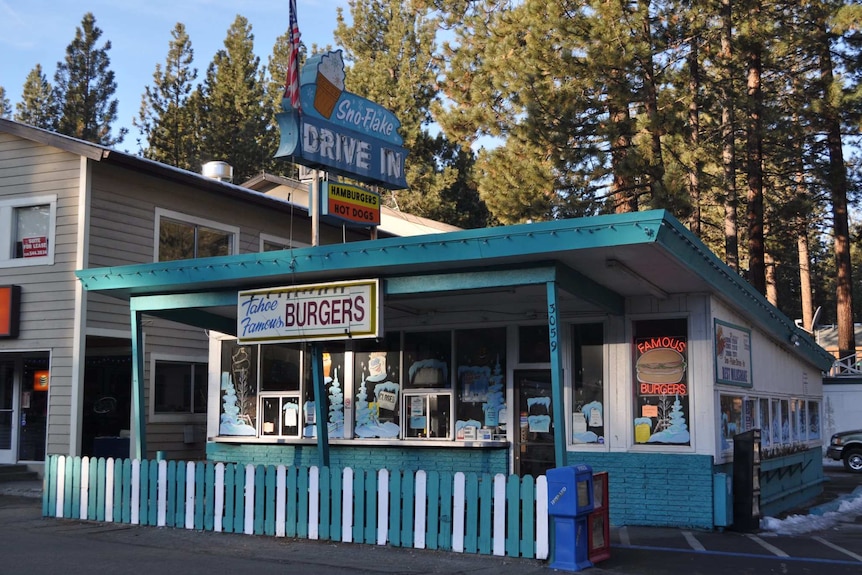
pixel 221 171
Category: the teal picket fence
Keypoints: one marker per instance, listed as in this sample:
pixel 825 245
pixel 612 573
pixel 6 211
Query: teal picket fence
pixel 468 513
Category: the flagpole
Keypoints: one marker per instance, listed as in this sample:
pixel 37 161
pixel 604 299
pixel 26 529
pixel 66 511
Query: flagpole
pixel 291 93
pixel 314 206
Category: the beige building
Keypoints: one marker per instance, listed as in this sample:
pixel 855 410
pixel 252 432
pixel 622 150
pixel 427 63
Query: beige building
pixel 65 368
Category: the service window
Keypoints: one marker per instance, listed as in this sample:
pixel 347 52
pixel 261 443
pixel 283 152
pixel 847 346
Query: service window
pixel 427 415
pixel 280 415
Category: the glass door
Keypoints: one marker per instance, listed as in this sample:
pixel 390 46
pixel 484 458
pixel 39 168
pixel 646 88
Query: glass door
pixel 534 436
pixel 8 429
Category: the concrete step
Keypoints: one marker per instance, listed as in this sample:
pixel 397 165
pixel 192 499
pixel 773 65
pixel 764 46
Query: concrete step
pixel 17 472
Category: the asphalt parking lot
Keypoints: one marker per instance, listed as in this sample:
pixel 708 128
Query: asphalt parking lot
pixel 34 545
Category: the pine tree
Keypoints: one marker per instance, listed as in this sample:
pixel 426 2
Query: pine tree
pixel 577 86
pixel 84 85
pixel 5 107
pixel 390 48
pixel 38 105
pixel 167 119
pixel 234 123
pixel 836 176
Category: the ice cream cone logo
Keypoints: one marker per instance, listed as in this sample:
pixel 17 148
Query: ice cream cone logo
pixel 377 365
pixel 330 83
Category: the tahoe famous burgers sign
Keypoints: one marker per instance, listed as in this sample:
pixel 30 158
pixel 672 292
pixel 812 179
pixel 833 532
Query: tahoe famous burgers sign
pixel 338 310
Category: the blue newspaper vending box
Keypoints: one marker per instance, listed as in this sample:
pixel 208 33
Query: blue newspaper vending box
pixel 570 501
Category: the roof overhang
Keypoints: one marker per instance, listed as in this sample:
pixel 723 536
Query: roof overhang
pixel 597 261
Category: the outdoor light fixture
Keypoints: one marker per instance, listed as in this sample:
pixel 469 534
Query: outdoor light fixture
pixel 650 287
pixel 794 339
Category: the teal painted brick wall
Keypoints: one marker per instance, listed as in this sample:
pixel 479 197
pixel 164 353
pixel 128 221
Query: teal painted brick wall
pixel 788 481
pixel 655 488
pixel 366 457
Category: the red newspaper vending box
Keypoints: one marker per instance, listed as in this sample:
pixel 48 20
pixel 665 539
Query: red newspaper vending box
pixel 598 523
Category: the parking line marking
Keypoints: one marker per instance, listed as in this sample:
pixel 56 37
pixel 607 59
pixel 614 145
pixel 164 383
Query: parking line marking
pixel 771 548
pixel 692 541
pixel 838 548
pixel 624 536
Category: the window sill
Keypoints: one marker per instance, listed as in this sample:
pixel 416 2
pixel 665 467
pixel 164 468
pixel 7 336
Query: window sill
pixel 177 418
pixel 438 443
pixel 27 262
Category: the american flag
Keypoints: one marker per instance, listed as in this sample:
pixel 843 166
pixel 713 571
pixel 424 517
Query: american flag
pixel 291 83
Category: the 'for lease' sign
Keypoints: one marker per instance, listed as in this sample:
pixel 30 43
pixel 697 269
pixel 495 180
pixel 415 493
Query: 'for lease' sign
pixel 331 311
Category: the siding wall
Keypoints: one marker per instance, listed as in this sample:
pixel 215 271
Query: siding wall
pixel 28 169
pixel 122 231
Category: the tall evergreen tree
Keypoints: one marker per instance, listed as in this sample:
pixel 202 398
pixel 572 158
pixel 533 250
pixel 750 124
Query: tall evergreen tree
pixel 234 122
pixel 390 49
pixel 754 49
pixel 5 106
pixel 38 105
pixel 85 85
pixel 726 96
pixel 167 119
pixel 836 176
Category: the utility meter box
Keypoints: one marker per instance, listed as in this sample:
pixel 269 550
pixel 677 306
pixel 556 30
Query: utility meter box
pixel 570 501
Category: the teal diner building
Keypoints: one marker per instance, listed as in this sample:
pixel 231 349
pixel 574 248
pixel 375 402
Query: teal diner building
pixel 616 341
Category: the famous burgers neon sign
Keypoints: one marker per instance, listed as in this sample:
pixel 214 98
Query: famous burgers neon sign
pixel 661 366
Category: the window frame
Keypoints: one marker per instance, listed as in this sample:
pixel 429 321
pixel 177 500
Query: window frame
pixel 7 242
pixel 349 362
pixel 233 231
pixel 288 244
pixel 185 416
pixel 425 396
pixel 664 327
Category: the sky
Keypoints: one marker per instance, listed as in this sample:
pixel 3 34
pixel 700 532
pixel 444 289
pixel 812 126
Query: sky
pixel 38 32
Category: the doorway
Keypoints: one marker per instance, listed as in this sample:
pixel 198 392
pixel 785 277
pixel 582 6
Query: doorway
pixel 107 397
pixel 534 440
pixel 8 431
pixel 24 384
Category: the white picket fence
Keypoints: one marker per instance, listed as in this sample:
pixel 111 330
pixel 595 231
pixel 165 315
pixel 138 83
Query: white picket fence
pixel 499 515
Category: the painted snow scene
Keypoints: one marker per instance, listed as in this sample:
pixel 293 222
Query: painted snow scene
pixel 335 400
pixel 377 399
pixel 481 384
pixel 662 421
pixel 238 401
pixel 671 426
pixel 590 415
